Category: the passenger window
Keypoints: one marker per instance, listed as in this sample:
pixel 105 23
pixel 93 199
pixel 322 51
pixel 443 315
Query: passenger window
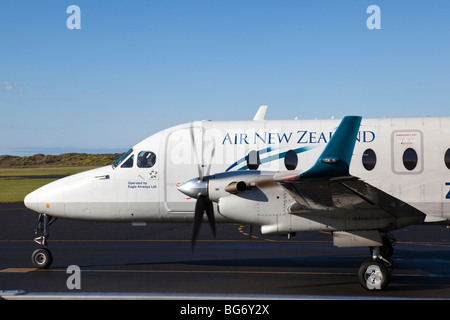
pixel 447 158
pixel 146 159
pixel 253 161
pixel 410 159
pixel 369 159
pixel 291 160
pixel 128 163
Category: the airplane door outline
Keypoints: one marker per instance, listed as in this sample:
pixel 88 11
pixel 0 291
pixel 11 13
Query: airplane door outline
pixel 401 141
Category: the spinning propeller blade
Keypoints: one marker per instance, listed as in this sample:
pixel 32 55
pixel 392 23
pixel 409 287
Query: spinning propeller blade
pixel 203 205
pixel 198 188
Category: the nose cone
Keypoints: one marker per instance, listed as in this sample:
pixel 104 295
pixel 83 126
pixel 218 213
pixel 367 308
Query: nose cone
pixel 53 198
pixel 47 199
pixel 194 188
pixel 88 195
pixel 31 201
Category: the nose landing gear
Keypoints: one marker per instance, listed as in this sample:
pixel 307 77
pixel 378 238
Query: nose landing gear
pixel 42 258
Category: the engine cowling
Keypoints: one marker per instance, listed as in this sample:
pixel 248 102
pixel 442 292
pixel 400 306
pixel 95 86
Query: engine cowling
pixel 261 203
pixel 236 183
pixel 248 197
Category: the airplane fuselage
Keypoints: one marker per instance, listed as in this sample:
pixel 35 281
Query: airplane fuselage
pixel 408 158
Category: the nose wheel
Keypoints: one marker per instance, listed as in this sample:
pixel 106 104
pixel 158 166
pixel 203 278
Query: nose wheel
pixel 42 258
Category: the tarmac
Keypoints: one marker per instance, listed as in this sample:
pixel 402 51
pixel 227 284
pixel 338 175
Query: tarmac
pixel 119 261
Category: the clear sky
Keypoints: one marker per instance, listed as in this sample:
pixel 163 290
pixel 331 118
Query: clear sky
pixel 137 67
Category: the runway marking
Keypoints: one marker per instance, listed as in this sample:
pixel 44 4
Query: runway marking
pixel 246 272
pixel 246 234
pixel 25 270
pixel 422 243
pixel 187 241
pixel 18 270
pixel 437 244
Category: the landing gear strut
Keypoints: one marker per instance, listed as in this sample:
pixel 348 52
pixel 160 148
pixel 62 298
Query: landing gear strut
pixel 374 273
pixel 42 258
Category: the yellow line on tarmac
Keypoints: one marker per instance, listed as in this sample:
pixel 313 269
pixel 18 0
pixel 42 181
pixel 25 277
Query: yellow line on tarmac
pixel 431 243
pixel 222 271
pixel 156 240
pixel 25 270
pixel 247 272
pixel 422 243
pixel 18 270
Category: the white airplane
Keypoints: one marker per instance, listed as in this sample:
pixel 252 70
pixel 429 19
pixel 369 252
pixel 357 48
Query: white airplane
pixel 357 179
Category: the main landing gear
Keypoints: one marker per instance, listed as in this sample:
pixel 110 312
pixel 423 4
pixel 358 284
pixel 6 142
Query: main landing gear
pixel 42 258
pixel 374 273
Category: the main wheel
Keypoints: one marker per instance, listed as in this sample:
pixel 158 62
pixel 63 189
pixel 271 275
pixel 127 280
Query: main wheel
pixel 42 258
pixel 373 275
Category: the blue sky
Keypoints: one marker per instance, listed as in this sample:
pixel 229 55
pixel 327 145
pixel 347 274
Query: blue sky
pixel 137 67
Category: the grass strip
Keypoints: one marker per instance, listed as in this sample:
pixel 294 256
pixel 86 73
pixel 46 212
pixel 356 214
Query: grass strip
pixel 14 184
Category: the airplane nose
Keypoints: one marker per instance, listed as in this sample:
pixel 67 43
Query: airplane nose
pixel 194 188
pixel 72 196
pixel 47 199
pixel 31 201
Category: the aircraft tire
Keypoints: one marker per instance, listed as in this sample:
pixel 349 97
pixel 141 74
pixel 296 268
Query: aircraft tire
pixel 373 275
pixel 42 258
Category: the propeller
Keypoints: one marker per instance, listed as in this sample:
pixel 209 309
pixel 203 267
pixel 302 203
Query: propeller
pixel 203 205
pixel 198 188
pixel 201 167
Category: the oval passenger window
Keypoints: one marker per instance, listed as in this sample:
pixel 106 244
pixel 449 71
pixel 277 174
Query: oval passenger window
pixel 291 160
pixel 447 158
pixel 369 159
pixel 410 159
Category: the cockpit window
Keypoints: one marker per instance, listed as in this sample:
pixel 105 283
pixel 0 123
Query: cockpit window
pixel 146 159
pixel 128 163
pixel 122 158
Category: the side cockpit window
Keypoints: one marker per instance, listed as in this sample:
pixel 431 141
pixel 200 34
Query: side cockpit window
pixel 122 158
pixel 146 159
pixel 128 163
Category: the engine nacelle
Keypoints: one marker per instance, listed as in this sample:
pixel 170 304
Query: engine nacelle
pixel 250 197
pixel 238 208
pixel 236 182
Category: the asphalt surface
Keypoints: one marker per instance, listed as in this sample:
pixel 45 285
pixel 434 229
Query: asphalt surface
pixel 158 260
